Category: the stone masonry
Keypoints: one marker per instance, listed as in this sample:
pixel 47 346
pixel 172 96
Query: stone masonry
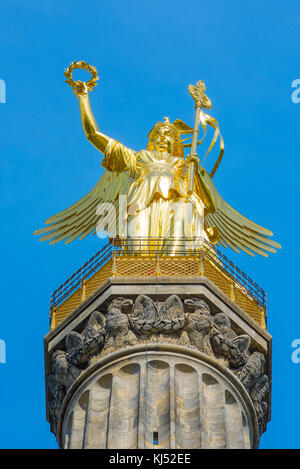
pixel 142 364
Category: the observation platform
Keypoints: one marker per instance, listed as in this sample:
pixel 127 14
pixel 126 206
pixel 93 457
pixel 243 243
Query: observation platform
pixel 159 258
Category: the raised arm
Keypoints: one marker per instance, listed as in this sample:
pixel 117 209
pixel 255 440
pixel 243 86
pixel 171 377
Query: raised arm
pixel 117 157
pixel 89 123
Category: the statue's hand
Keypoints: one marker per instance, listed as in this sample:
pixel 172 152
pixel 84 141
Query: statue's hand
pixel 80 89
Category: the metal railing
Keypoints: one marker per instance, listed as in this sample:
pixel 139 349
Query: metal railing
pixel 83 273
pixel 158 247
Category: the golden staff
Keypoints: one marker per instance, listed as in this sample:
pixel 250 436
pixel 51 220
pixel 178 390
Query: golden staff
pixel 201 101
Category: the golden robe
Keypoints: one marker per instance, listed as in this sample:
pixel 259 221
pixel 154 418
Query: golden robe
pixel 157 200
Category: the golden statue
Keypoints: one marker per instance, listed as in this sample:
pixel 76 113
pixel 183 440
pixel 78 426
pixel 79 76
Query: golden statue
pixel 167 196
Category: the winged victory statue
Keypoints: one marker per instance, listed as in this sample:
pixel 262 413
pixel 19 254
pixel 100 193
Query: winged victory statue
pixel 166 195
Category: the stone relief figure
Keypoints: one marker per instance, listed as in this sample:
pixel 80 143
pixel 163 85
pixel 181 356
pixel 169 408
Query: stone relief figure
pixel 257 384
pixel 57 393
pixel 67 365
pixel 64 371
pixel 222 321
pixel 172 308
pixel 144 315
pixel 75 347
pixel 225 342
pixel 94 333
pixel 117 324
pixel 63 375
pixel 81 346
pixel 198 324
pixel 148 318
pixel 128 323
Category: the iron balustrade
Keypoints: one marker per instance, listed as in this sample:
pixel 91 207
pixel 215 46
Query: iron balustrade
pixel 158 247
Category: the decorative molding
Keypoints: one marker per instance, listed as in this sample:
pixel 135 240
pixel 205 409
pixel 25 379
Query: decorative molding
pixel 127 323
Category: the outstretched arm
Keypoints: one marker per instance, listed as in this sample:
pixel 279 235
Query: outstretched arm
pixel 89 123
pixel 117 157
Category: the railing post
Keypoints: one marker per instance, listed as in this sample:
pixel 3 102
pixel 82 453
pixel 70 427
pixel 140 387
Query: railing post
pixel 232 295
pixel 157 267
pixel 263 317
pixel 114 264
pixel 201 262
pixel 265 308
pixel 53 318
pixel 83 289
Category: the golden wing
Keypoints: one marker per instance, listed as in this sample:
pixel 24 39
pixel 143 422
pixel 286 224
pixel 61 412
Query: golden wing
pixel 235 230
pixel 82 218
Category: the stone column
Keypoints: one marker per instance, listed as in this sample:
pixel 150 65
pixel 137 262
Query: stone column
pixel 156 371
pixel 212 409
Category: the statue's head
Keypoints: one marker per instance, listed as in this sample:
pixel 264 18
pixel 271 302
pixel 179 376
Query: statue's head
pixel 165 136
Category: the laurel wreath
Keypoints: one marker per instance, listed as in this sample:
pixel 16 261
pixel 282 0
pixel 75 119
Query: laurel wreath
pixel 78 86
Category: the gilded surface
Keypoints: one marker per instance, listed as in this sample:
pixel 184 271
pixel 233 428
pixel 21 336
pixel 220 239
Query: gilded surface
pixel 175 266
pixel 167 195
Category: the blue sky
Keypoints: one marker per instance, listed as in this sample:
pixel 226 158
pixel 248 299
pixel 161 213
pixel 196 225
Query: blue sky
pixel 146 53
